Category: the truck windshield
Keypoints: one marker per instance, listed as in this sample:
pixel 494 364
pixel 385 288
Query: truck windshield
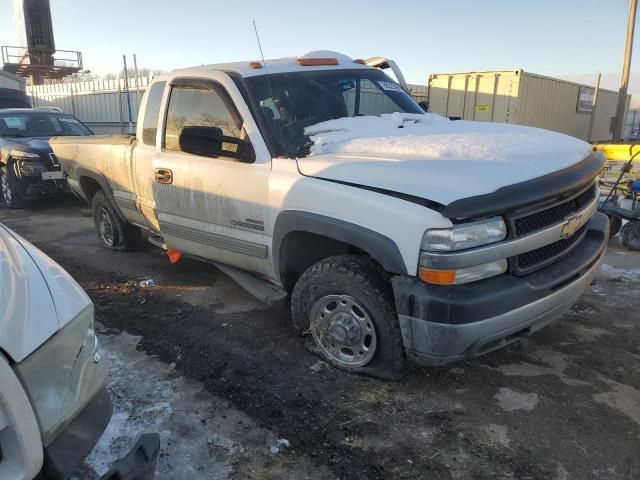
pixel 40 124
pixel 289 102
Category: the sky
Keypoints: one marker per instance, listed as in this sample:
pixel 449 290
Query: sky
pixel 568 38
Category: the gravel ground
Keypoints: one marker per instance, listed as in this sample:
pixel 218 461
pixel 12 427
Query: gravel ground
pixel 234 394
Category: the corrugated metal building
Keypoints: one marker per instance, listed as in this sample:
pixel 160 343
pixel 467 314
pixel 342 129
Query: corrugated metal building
pixel 516 96
pixel 9 80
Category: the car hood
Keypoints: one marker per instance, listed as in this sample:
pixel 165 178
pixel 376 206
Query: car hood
pixel 440 161
pixel 37 296
pixel 29 144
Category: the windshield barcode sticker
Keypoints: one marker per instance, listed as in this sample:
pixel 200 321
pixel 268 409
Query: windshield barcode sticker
pixel 393 87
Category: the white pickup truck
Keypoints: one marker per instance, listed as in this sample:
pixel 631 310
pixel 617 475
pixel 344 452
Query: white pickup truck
pixel 398 234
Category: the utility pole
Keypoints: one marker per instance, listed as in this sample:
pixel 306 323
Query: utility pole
pixel 593 109
pixel 624 79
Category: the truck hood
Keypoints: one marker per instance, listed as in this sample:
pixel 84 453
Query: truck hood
pixel 37 296
pixel 434 158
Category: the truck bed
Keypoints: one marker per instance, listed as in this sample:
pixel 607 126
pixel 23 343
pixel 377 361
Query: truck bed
pixel 106 156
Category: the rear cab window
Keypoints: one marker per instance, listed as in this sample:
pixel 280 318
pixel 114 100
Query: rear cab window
pixel 151 113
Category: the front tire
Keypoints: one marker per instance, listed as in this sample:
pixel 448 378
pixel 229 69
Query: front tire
pixel 113 232
pixel 343 307
pixel 8 190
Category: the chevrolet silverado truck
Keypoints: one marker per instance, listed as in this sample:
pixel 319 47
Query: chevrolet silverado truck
pixel 28 168
pixel 397 234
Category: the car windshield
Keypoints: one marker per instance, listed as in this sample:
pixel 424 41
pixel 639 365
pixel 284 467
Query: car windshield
pixel 40 124
pixel 289 102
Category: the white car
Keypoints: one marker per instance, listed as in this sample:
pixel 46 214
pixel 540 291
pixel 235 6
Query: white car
pixel 53 404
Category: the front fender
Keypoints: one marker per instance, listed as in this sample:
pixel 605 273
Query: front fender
pixel 380 247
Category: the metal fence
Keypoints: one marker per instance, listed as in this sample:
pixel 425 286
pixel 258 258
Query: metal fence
pixel 102 104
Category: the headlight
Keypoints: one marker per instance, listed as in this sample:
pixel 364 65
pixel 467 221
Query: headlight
pixel 30 168
pixel 465 235
pixel 21 154
pixel 462 275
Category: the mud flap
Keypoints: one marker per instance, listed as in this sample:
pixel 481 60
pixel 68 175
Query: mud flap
pixel 139 463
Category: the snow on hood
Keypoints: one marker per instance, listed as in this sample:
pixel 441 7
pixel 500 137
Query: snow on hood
pixel 424 155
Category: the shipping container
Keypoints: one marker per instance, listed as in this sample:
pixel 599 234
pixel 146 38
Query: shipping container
pixel 523 98
pixel 9 80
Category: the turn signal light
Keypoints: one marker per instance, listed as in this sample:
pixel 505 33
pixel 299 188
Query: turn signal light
pixel 314 62
pixel 438 277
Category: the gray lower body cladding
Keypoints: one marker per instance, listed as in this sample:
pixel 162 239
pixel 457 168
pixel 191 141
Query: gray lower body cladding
pixel 445 324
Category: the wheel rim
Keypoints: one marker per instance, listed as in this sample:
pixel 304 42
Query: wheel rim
pixel 106 227
pixel 6 191
pixel 343 330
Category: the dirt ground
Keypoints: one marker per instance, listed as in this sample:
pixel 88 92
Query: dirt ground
pixel 234 394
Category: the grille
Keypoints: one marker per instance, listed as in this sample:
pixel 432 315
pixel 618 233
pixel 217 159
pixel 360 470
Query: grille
pixel 55 164
pixel 541 256
pixel 556 214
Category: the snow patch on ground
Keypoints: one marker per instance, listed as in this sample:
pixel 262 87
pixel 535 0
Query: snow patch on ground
pixel 432 136
pixel 201 436
pixel 612 273
pixel 510 400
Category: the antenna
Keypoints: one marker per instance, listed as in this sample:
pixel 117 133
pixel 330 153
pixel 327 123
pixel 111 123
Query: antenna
pixel 255 28
pixel 266 72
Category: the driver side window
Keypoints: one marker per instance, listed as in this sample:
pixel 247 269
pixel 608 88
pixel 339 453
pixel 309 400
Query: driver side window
pixel 198 107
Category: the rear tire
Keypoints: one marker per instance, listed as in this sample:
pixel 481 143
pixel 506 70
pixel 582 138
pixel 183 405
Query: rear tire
pixel 343 308
pixel 8 190
pixel 113 232
pixel 631 235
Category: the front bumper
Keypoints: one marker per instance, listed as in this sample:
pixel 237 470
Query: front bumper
pixel 444 324
pixel 32 188
pixel 67 452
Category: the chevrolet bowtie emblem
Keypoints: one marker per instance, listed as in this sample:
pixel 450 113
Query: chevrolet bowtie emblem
pixel 571 225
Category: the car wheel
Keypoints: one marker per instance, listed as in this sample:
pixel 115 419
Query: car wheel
pixel 615 224
pixel 631 235
pixel 113 232
pixel 343 307
pixel 8 190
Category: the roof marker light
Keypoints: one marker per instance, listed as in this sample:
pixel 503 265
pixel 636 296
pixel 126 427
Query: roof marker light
pixel 314 62
pixel 255 65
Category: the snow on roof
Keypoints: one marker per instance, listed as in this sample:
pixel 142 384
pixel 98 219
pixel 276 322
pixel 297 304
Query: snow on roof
pixel 431 136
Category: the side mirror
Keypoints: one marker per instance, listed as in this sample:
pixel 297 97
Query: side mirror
pixel 210 142
pixel 425 105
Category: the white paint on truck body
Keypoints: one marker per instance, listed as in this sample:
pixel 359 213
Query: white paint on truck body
pixel 195 213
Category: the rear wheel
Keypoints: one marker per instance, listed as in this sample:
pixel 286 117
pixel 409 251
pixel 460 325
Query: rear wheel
pixel 631 235
pixel 113 232
pixel 343 307
pixel 9 192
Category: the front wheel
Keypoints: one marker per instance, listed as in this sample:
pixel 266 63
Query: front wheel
pixel 113 232
pixel 343 307
pixel 9 194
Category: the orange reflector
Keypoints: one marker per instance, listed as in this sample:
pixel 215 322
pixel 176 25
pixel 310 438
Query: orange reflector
pixel 360 61
pixel 255 65
pixel 313 62
pixel 439 277
pixel 174 255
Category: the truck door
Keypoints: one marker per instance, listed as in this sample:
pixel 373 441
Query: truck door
pixel 215 208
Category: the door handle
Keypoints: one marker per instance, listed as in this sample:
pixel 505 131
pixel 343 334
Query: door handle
pixel 164 175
